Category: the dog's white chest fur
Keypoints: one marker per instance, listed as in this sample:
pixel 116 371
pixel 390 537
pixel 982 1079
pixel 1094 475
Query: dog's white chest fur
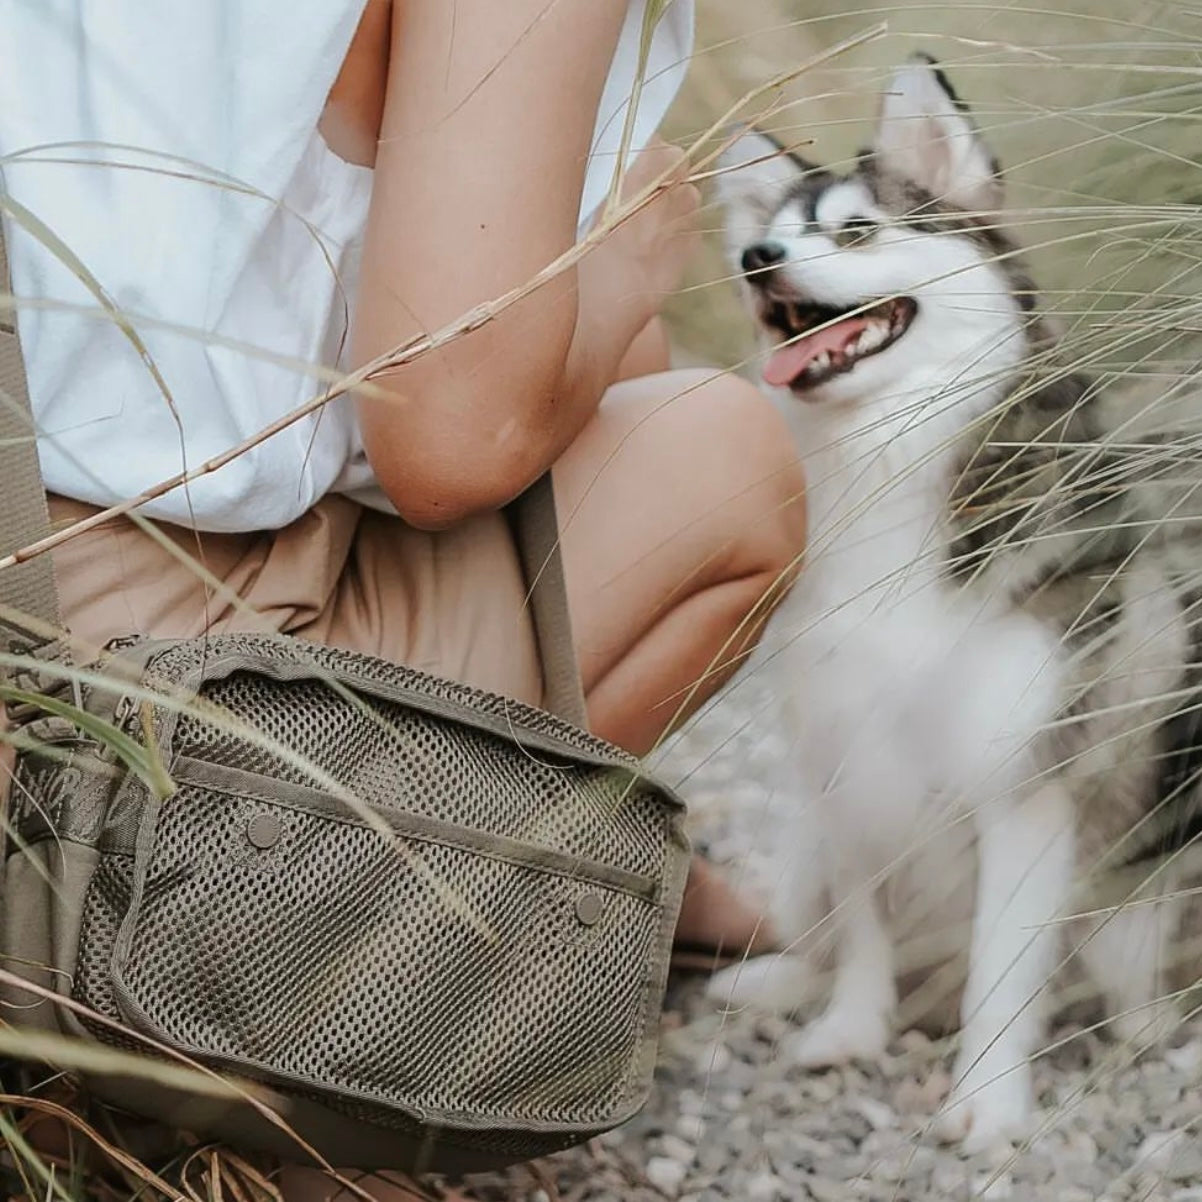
pixel 885 658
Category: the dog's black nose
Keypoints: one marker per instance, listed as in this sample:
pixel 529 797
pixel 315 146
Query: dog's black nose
pixel 761 255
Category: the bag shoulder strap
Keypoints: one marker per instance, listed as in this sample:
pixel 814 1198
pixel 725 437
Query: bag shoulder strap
pixel 536 531
pixel 29 588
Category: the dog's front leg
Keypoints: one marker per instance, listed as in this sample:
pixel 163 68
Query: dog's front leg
pixel 858 1019
pixel 1025 850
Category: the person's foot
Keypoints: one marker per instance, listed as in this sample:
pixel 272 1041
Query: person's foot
pixel 716 926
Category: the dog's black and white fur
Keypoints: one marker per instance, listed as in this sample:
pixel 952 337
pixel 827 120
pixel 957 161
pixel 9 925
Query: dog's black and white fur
pixel 989 648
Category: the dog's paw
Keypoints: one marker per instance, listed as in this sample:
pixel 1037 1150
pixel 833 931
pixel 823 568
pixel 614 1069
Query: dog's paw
pixel 837 1037
pixel 987 1110
pixel 776 983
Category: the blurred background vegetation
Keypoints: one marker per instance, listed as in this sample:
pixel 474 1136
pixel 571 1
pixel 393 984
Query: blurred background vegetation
pixel 1093 107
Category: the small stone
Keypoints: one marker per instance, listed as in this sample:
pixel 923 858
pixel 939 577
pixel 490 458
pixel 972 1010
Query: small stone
pixel 824 1088
pixel 919 1162
pixel 1080 1147
pixel 924 1095
pixel 540 1195
pixel 740 1075
pixel 805 1149
pixel 880 1117
pixel 998 1156
pixel 713 1060
pixel 795 1176
pixel 765 1187
pixel 890 1168
pixel 1187 1059
pixel 666 1175
pixel 990 1187
pixel 675 1148
pixel 691 1127
pixel 1185 1167
pixel 948 1178
pixel 1036 1166
pixel 1147 1185
pixel 823 1189
pixel 712 1160
pixel 1157 1148
pixel 909 1097
pixel 853 1078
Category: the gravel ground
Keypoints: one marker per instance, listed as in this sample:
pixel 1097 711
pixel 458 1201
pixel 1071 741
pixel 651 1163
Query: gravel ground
pixel 729 1120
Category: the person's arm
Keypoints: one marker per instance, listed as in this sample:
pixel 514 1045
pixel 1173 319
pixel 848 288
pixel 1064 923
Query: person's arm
pixel 649 354
pixel 488 116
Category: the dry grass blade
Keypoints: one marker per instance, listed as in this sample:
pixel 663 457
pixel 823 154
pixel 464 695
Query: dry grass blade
pixel 245 1181
pixel 117 1155
pixel 80 1055
pixel 242 1091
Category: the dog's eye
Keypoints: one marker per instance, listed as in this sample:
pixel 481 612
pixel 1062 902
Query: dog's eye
pixel 855 231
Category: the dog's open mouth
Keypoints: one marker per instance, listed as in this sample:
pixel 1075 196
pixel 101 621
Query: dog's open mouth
pixel 841 338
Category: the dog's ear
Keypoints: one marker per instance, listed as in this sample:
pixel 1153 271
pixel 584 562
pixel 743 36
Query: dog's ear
pixel 925 135
pixel 754 172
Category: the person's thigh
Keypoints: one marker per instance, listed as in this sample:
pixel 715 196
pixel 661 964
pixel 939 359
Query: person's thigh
pixel 682 513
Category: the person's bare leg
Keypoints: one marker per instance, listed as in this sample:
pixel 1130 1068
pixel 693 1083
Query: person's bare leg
pixel 682 510
pixel 683 516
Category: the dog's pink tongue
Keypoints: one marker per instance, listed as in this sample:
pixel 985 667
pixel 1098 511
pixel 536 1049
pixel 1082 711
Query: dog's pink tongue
pixel 788 362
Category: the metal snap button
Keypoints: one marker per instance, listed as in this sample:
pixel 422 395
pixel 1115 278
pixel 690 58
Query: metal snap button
pixel 264 831
pixel 589 908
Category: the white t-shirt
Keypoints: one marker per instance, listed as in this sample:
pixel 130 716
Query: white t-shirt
pixel 177 159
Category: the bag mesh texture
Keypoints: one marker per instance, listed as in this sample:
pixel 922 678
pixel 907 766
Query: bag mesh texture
pixel 394 977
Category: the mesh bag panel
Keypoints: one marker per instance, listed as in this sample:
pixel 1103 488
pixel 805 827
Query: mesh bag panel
pixel 408 972
pixel 105 904
pixel 194 657
pixel 391 756
pixel 502 989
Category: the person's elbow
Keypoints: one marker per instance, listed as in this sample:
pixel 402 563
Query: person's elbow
pixel 438 480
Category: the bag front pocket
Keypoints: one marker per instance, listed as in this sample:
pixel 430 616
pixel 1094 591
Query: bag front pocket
pixel 391 962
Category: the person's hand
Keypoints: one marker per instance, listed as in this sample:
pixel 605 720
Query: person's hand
pixel 646 255
pixel 624 282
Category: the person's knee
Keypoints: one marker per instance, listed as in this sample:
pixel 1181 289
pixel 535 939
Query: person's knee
pixel 746 445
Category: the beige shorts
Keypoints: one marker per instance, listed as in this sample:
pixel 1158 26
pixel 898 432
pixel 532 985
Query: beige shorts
pixel 451 603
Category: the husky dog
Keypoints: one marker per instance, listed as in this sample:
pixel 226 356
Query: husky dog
pixel 989 658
